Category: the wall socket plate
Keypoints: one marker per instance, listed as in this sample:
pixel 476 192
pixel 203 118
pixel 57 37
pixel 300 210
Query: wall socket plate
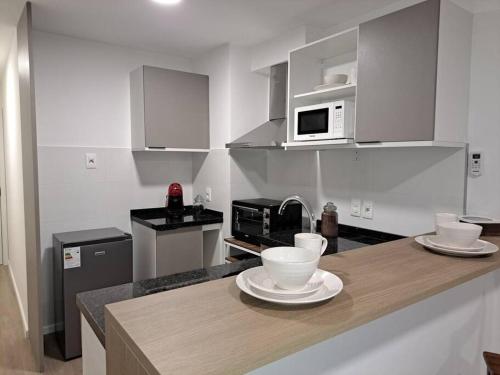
pixel 91 161
pixel 368 209
pixel 208 194
pixel 356 207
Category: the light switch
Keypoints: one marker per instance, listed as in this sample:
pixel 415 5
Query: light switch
pixel 368 209
pixel 91 161
pixel 356 207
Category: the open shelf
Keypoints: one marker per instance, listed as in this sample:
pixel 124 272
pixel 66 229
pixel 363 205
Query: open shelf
pixel 330 93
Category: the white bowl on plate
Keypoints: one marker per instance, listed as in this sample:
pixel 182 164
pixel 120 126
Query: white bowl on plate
pixel 290 267
pixel 335 79
pixel 459 234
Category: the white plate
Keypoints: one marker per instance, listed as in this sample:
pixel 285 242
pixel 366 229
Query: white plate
pixel 259 279
pixel 332 286
pixel 488 249
pixel 329 86
pixel 436 241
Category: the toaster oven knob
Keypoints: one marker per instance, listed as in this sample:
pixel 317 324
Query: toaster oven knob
pixel 266 215
pixel 266 226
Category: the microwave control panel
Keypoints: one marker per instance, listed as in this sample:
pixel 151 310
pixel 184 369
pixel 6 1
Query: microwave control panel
pixel 342 118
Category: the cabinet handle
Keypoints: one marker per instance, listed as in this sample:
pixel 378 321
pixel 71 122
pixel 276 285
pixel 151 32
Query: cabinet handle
pixel 99 253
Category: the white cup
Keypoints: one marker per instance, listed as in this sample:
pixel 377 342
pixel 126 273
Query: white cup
pixel 311 241
pixel 443 217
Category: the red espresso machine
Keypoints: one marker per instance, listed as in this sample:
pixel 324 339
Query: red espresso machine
pixel 175 201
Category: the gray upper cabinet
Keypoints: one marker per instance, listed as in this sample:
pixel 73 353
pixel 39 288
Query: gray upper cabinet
pixel 169 110
pixel 397 69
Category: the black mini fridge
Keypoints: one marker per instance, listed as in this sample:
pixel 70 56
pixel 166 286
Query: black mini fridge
pixel 85 260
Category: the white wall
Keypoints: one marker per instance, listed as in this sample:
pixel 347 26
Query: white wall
pixel 82 104
pixel 406 185
pixel 212 170
pixel 14 179
pixel 484 118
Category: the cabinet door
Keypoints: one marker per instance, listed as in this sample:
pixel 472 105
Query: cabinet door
pixel 175 109
pixel 397 64
pixel 179 250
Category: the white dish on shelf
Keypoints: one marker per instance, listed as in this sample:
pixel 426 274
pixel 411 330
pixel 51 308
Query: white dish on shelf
pixel 259 279
pixel 332 286
pixel 487 250
pixel 329 86
pixel 437 241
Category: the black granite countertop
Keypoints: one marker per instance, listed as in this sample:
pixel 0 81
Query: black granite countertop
pixel 161 219
pixel 348 238
pixel 91 304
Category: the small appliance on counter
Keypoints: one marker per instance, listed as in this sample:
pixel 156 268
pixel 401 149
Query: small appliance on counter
pixel 253 218
pixel 175 200
pixel 83 261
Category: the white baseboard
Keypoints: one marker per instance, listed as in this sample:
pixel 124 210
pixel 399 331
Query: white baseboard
pixel 19 303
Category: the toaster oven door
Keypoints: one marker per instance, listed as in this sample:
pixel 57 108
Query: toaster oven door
pixel 247 221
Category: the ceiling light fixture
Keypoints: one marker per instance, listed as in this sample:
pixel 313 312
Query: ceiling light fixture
pixel 167 2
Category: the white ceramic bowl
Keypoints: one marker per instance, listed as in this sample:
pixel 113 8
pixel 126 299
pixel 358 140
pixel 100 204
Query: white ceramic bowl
pixel 290 267
pixel 444 217
pixel 459 234
pixel 340 79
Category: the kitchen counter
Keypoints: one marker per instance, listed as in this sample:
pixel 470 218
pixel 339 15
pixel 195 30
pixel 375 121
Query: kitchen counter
pixel 91 304
pixel 159 219
pixel 214 328
pixel 349 238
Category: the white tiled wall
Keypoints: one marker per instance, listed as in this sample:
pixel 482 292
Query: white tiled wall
pixel 75 198
pixel 406 185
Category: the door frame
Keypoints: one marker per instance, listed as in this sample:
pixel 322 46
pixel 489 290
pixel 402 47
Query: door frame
pixel 4 250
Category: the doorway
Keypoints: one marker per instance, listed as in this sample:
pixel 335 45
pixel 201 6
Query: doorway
pixel 4 256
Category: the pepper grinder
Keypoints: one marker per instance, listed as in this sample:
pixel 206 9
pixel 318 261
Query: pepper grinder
pixel 329 221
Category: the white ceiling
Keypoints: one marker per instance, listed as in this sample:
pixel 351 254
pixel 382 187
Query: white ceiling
pixel 194 26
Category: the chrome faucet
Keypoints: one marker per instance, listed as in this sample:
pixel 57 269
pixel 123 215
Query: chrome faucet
pixel 307 206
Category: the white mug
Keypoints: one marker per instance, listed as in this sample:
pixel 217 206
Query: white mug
pixel 311 241
pixel 443 217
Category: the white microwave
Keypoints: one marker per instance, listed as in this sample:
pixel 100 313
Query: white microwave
pixel 331 120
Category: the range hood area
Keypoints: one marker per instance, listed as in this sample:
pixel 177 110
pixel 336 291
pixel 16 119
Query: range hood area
pixel 271 134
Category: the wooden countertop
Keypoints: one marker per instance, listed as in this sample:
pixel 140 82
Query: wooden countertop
pixel 213 328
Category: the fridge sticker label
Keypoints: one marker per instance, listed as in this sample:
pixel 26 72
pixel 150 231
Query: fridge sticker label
pixel 72 257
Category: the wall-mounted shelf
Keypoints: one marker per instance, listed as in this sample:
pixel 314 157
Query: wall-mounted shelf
pixel 329 93
pixel 318 145
pixel 350 144
pixel 161 149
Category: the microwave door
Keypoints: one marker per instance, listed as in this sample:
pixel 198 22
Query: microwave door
pixel 313 123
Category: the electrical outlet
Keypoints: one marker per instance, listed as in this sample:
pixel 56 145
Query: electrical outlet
pixel 91 161
pixel 356 207
pixel 368 209
pixel 208 194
